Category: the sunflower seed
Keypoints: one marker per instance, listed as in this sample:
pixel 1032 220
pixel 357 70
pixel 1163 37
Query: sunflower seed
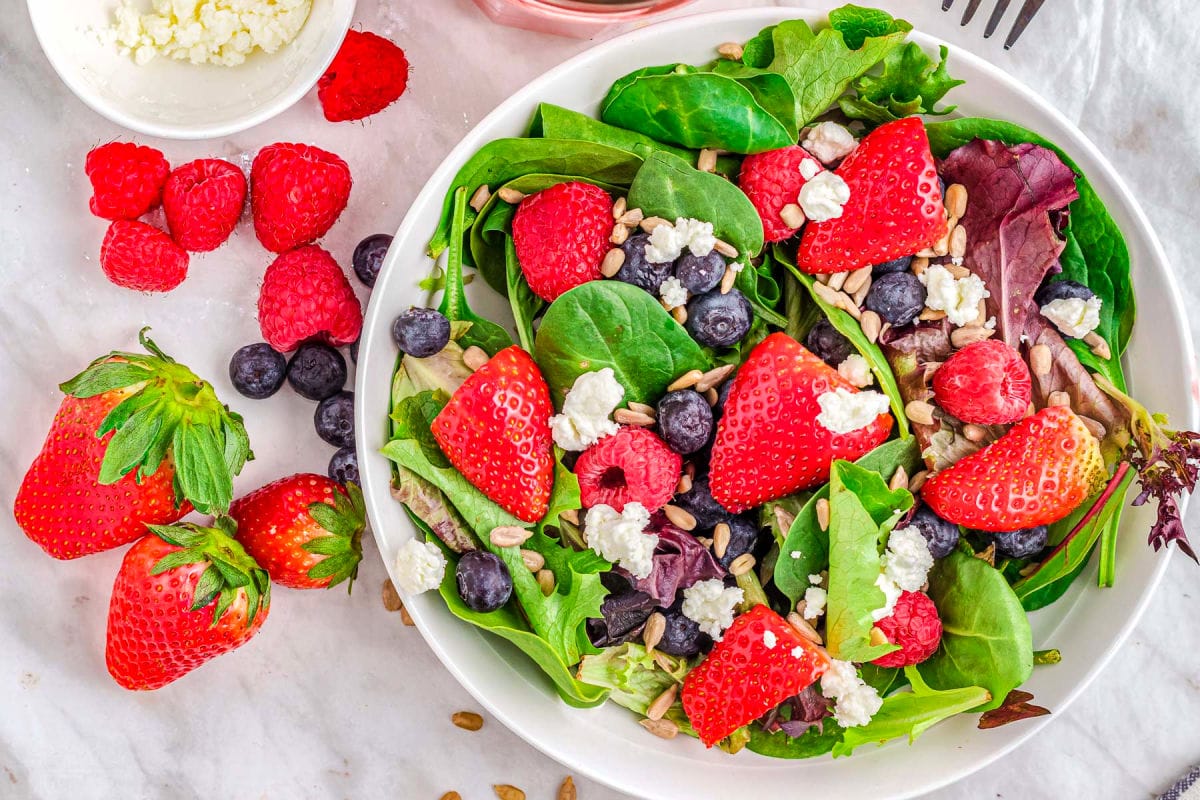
pixel 685 484
pixel 942 246
pixel 871 325
pixel 679 314
pixel 957 271
pixel 878 637
pixel 856 279
pixel 823 514
pixel 956 199
pixel 927 253
pixel 614 259
pixel 728 279
pixel 567 790
pixel 930 367
pixel 919 412
pixel 664 661
pixel 860 296
pixel 846 303
pixel 510 195
pixel 571 515
pixel 619 234
pixel 545 579
pixel 619 207
pixel 661 704
pixel 981 311
pixel 899 479
pixel 480 197
pixel 988 554
pixel 1098 344
pixel 1058 399
pixel 731 50
pixel 644 408
pixel 632 218
pixel 707 161
pixel 823 279
pixel 391 598
pixel 742 564
pixel 711 397
pixel 917 481
pixel 506 792
pixel 792 215
pixel 721 535
pixel 652 633
pixel 509 536
pixel 686 381
pixel 474 357
pixel 627 416
pixel 919 265
pixel 931 315
pixel 679 517
pixel 451 796
pixel 1040 360
pixel 405 618
pixel 1097 429
pixel 533 559
pixel 802 627
pixel 467 720
pixel 974 433
pixel 958 243
pixel 650 223
pixel 827 294
pixel 662 728
pixel 838 280
pixel 714 377
pixel 725 249
pixel 970 334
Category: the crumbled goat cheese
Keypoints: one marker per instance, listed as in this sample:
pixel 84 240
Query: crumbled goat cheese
pixel 420 566
pixel 668 241
pixel 618 537
pixel 797 554
pixel 823 196
pixel 672 292
pixel 770 640
pixel 829 141
pixel 221 32
pixel 710 605
pixel 990 324
pixel 586 410
pixel 856 370
pixel 808 168
pixel 816 579
pixel 1074 316
pixel 854 701
pixel 814 602
pixel 843 411
pixel 891 593
pixel 907 561
pixel 958 297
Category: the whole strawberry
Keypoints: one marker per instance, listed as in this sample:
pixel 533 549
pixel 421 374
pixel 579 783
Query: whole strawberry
pixel 561 236
pixel 127 179
pixel 137 437
pixel 773 180
pixel 183 596
pixel 496 431
pixel 915 626
pixel 203 202
pixel 141 257
pixel 305 294
pixel 297 192
pixel 367 75
pixel 305 530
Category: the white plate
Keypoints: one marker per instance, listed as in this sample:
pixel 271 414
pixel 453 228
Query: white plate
pixel 175 99
pixel 606 743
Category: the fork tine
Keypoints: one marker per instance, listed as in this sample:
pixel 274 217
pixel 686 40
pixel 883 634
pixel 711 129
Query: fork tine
pixel 969 14
pixel 997 15
pixel 946 4
pixel 1030 8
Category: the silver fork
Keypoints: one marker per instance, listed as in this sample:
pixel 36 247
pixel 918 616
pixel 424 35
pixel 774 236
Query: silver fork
pixel 1026 13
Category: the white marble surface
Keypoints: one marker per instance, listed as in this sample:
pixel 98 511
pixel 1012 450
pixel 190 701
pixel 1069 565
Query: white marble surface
pixel 335 698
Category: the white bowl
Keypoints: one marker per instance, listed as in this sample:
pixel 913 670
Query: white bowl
pixel 606 744
pixel 176 99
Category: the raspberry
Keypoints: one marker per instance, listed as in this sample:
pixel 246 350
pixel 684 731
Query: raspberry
pixel 915 626
pixel 986 383
pixel 305 294
pixel 127 179
pixel 561 235
pixel 203 202
pixel 772 180
pixel 297 192
pixel 368 74
pixel 632 465
pixel 141 257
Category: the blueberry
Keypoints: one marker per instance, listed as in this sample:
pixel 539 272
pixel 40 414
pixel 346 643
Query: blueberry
pixel 316 371
pixel 1023 543
pixel 368 257
pixel 719 320
pixel 1062 290
pixel 743 536
pixel 334 419
pixel 637 270
pixel 483 581
pixel 698 501
pixel 898 297
pixel 941 535
pixel 257 370
pixel 682 636
pixel 685 420
pixel 828 344
pixel 895 265
pixel 421 332
pixel 343 467
pixel 699 274
pixel 722 397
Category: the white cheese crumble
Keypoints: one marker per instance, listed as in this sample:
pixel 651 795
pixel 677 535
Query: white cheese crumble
pixel 855 701
pixel 668 241
pixel 221 32
pixel 1074 316
pixel 770 640
pixel 586 410
pixel 829 141
pixel 844 411
pixel 710 605
pixel 808 168
pixel 797 554
pixel 672 292
pixel 816 579
pixel 814 602
pixel 856 370
pixel 420 566
pixel 618 537
pixel 823 196
pixel 958 297
pixel 891 593
pixel 907 561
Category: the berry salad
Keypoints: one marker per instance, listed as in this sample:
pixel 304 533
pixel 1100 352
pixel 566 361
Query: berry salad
pixel 811 394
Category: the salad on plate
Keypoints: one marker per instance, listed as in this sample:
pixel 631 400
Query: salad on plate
pixel 811 394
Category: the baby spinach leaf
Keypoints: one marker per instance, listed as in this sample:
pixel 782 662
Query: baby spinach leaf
pixel 816 741
pixel 691 108
pixel 555 122
pixel 483 332
pixel 882 679
pixel 911 83
pixel 613 324
pixel 501 160
pixel 669 187
pixel 911 713
pixel 862 510
pixel 805 551
pixel 525 304
pixel 986 640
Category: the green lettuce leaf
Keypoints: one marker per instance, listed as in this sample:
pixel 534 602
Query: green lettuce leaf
pixel 911 83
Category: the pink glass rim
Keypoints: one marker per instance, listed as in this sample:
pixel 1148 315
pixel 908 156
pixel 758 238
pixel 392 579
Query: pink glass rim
pixel 593 11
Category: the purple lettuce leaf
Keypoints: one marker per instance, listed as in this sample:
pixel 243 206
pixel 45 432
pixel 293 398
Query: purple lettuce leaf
pixel 1067 374
pixel 679 561
pixel 806 709
pixel 623 615
pixel 912 352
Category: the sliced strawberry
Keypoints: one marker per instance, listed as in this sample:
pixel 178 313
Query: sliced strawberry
pixel 1035 474
pixel 986 382
pixel 895 206
pixel 760 662
pixel 773 180
pixel 769 441
pixel 496 431
pixel 561 235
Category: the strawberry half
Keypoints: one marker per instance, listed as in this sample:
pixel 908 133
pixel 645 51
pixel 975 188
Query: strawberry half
pixel 561 236
pixel 769 442
pixel 760 662
pixel 136 438
pixel 1036 474
pixel 183 596
pixel 895 206
pixel 496 431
